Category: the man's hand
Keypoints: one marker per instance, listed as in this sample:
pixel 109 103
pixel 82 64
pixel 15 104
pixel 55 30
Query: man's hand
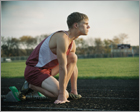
pixel 61 99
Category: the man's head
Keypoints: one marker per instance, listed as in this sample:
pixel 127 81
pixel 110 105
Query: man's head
pixel 75 17
pixel 78 22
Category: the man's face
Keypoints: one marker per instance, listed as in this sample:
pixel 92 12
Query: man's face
pixel 83 27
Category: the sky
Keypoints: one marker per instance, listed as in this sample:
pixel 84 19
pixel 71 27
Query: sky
pixel 106 18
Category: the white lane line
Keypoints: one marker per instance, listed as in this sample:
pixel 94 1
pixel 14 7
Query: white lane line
pixel 53 108
pixel 112 98
pixel 112 90
pixel 28 97
pixel 116 98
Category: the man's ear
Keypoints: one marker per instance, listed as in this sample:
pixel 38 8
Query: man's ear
pixel 75 25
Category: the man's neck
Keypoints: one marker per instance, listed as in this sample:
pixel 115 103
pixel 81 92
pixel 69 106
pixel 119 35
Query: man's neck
pixel 72 34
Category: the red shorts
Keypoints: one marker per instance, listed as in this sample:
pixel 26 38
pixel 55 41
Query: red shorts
pixel 35 75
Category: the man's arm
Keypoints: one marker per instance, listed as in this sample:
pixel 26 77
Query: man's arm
pixel 62 46
pixel 73 47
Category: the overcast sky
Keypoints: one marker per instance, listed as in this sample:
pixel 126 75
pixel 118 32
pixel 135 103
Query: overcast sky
pixel 106 18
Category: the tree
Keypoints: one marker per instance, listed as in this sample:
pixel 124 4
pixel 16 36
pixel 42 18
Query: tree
pixel 28 43
pixel 15 46
pixel 90 42
pixel 3 40
pixel 122 37
pixel 107 43
pixel 41 38
pixel 118 40
pixel 6 46
pixel 78 42
pixel 81 45
pixel 9 46
pixel 98 46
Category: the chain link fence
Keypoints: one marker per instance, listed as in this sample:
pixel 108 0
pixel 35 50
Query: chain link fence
pixel 17 58
pixel 21 58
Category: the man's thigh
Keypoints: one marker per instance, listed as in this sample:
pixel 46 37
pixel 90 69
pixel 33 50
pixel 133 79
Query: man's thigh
pixel 51 84
pixel 55 71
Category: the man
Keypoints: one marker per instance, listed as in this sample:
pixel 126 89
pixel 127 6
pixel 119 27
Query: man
pixel 56 54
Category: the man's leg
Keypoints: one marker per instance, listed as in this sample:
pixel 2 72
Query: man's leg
pixel 49 88
pixel 72 74
pixel 74 81
pixel 72 71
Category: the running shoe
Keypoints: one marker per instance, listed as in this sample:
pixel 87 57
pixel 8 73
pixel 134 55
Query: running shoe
pixel 24 91
pixel 74 97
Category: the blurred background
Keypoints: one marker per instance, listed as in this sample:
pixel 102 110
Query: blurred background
pixel 114 27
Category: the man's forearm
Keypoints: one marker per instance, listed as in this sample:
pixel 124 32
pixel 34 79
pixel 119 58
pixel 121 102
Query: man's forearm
pixel 62 80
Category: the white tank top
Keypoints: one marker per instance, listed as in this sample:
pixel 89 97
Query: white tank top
pixel 45 54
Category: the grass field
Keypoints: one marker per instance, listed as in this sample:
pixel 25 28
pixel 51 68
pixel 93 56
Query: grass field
pixel 88 68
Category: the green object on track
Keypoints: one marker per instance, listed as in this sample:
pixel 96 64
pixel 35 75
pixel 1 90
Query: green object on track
pixel 15 92
pixel 41 95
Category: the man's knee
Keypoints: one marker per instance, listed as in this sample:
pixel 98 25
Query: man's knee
pixel 72 57
pixel 31 86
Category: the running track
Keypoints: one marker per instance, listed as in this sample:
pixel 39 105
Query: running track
pixel 98 95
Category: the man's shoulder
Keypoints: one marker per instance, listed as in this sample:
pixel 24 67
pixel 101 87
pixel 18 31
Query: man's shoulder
pixel 60 34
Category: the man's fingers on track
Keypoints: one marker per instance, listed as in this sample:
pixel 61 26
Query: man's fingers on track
pixel 67 101
pixel 60 102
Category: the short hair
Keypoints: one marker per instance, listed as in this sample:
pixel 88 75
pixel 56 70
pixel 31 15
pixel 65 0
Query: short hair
pixel 75 17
